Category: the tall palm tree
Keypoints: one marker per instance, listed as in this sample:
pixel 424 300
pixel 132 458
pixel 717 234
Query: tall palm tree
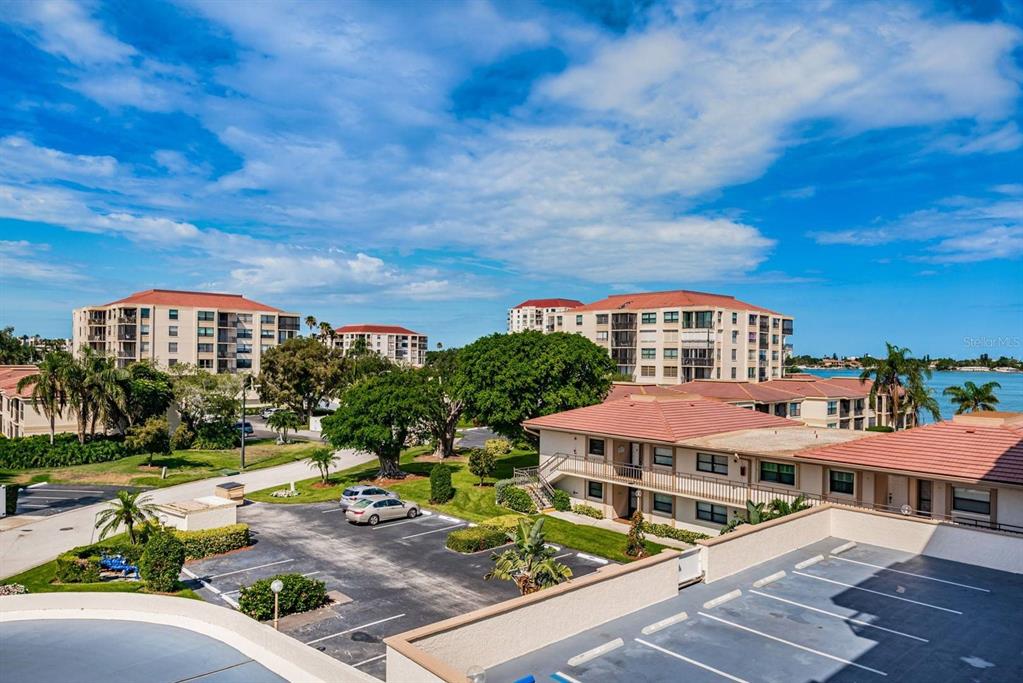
pixel 310 322
pixel 530 564
pixel 128 509
pixel 920 397
pixel 75 382
pixel 970 397
pixel 325 329
pixel 891 375
pixel 106 387
pixel 322 459
pixel 47 391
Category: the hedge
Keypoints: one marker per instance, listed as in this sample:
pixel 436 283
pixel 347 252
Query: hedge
pixel 300 594
pixel 12 499
pixel 35 451
pixel 666 531
pixel 501 487
pixel 161 562
pixel 441 490
pixel 206 542
pixel 561 501
pixel 588 510
pixel 880 428
pixel 517 499
pixel 475 539
pixel 74 569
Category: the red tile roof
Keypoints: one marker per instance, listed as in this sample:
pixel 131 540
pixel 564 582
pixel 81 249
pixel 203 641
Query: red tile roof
pixel 173 297
pixel 776 390
pixel 957 450
pixel 10 375
pixel 677 297
pixel 375 329
pixel 550 303
pixel 658 418
pixel 620 390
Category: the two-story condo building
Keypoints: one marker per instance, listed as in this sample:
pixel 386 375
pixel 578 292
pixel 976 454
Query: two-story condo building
pixel 694 462
pixel 215 332
pixel 542 315
pixel 19 415
pixel 393 342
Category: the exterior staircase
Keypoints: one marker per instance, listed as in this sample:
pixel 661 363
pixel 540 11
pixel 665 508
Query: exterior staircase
pixel 536 480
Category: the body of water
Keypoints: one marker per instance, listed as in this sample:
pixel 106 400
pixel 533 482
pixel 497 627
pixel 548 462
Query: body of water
pixel 1010 396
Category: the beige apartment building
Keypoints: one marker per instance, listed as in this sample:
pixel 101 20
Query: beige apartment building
pixel 19 415
pixel 395 343
pixel 678 336
pixel 215 332
pixel 542 315
pixel 693 463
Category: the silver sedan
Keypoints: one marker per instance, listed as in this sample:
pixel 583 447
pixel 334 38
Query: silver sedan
pixel 376 509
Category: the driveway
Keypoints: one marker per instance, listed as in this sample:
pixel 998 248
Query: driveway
pixel 398 575
pixel 475 437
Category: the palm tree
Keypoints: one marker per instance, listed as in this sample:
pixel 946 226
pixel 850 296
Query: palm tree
pixel 887 374
pixel 310 322
pixel 47 391
pixel 325 329
pixel 128 509
pixel 282 421
pixel 74 381
pixel 530 564
pixel 322 459
pixel 920 397
pixel 105 384
pixel 970 397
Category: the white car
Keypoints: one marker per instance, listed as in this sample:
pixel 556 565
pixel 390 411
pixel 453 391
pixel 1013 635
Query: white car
pixel 378 509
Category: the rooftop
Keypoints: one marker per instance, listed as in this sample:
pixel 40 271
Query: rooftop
pixel 10 375
pixel 786 441
pixel 668 299
pixel 174 297
pixel 375 329
pixel 550 303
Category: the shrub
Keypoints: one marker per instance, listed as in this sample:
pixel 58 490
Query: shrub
pixel 497 447
pixel 12 589
pixel 475 539
pixel 300 594
pixel 441 490
pixel 501 487
pixel 518 500
pixel 588 510
pixel 505 522
pixel 561 501
pixel 665 531
pixel 216 436
pixel 74 569
pixel 635 542
pixel 482 462
pixel 11 503
pixel 151 437
pixel 206 542
pixel 183 438
pixel 880 428
pixel 36 451
pixel 162 561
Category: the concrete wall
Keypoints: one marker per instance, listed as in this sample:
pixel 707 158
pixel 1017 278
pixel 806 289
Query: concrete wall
pixel 281 654
pixel 1010 506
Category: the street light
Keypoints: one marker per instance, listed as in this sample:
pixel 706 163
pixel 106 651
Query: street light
pixel 277 586
pixel 246 380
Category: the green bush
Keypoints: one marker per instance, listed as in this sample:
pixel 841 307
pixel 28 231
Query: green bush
pixel 183 438
pixel 11 503
pixel 161 562
pixel 588 510
pixel 561 501
pixel 519 500
pixel 880 428
pixel 216 436
pixel 441 490
pixel 501 487
pixel 206 542
pixel 475 539
pixel 300 594
pixel 665 531
pixel 497 447
pixel 36 451
pixel 151 437
pixel 74 569
pixel 482 462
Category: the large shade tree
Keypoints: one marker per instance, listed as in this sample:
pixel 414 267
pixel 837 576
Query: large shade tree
pixel 300 373
pixel 443 404
pixel 970 397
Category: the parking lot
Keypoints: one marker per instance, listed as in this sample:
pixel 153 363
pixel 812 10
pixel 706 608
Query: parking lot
pixel 398 575
pixel 49 499
pixel 839 612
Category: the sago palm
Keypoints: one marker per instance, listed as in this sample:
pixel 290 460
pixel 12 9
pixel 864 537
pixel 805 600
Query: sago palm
pixel 47 391
pixel 128 509
pixel 322 459
pixel 530 564
pixel 970 397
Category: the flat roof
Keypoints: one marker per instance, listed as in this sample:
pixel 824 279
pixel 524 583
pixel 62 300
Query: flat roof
pixel 778 441
pixel 869 613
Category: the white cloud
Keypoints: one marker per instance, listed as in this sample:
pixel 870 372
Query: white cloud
pixel 67 29
pixel 1005 138
pixel 21 261
pixel 23 159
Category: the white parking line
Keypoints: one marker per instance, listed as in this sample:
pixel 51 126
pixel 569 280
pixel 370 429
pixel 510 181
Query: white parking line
pixel 839 616
pixel 371 659
pixel 312 573
pixel 35 497
pixel 703 666
pixel 791 644
pixel 332 510
pixel 30 505
pixel 591 558
pixel 887 595
pixel 354 628
pixel 388 525
pixel 558 557
pixel 70 491
pixel 565 677
pixel 433 531
pixel 249 569
pixel 210 587
pixel 919 576
pixel 448 519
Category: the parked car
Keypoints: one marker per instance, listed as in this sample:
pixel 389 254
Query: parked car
pixel 246 428
pixel 353 494
pixel 378 509
pixel 267 412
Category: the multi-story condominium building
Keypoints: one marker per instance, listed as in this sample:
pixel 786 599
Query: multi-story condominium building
pixel 542 315
pixel 679 336
pixel 19 415
pixel 694 462
pixel 834 403
pixel 215 332
pixel 395 343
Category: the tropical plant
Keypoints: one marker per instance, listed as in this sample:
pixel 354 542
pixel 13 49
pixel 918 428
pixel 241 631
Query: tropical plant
pixel 299 594
pixel 919 398
pixel 310 322
pixel 780 508
pixel 755 514
pixel 971 398
pixel 322 459
pixel 129 509
pixel 635 542
pixel 530 564
pixel 325 329
pixel 282 421
pixel 47 391
pixel 482 462
pixel 891 375
pixel 13 351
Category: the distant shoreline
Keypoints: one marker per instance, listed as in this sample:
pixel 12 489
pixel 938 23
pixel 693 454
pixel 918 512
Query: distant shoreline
pixel 1006 371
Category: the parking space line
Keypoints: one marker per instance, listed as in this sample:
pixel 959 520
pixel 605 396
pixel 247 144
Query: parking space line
pixel 32 505
pixel 791 644
pixel 919 576
pixel 249 569
pixel 371 659
pixel 839 616
pixel 388 525
pixel 71 491
pixel 705 667
pixel 312 573
pixel 564 678
pixel 558 557
pixel 887 595
pixel 591 558
pixel 354 628
pixel 333 510
pixel 35 497
pixel 210 587
pixel 433 531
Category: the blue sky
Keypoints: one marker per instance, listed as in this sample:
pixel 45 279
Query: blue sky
pixel 856 165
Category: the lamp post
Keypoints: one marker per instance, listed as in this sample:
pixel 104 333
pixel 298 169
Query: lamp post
pixel 245 385
pixel 276 586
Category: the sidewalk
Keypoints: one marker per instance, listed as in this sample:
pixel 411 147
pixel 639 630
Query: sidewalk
pixel 614 526
pixel 42 540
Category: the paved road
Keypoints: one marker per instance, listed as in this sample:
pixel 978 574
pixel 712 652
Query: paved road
pixel 51 499
pixel 26 546
pixel 475 437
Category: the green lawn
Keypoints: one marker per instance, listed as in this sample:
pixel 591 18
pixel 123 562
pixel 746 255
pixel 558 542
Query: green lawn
pixel 182 466
pixel 40 580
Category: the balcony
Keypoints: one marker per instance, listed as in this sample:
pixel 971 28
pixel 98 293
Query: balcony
pixel 697 339
pixel 786 327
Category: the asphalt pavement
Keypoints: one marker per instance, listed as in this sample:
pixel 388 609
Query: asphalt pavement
pixel 50 499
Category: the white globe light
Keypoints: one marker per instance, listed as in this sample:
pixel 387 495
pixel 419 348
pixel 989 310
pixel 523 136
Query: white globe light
pixel 277 586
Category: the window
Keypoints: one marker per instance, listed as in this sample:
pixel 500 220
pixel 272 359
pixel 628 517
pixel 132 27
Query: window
pixel 203 331
pixel 579 319
pixel 751 373
pixel 734 373
pixel 778 473
pixel 841 482
pixel 245 317
pixel 595 447
pixel 649 318
pixel 753 320
pixel 244 348
pixel 687 319
pixel 774 339
pixel 143 329
pixel 977 501
pixel 244 333
pixel 205 348
pixel 648 354
pixel 734 355
pixel 244 363
pixel 663 456
pixel 735 318
pixel 832 425
pixel 172 314
pixel 664 503
pixel 671 371
pixel 710 462
pixel 602 336
pixel 647 371
pixel 144 346
pixel 795 409
pixel 144 312
pixel 172 347
pixel 671 316
pixel 602 318
pixel 205 363
pixel 704 319
pixel 709 512
pixel 206 316
pixel 671 353
pixel 832 407
pixel 594 489
pixel 267 319
pixel 266 334
pixel 172 331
